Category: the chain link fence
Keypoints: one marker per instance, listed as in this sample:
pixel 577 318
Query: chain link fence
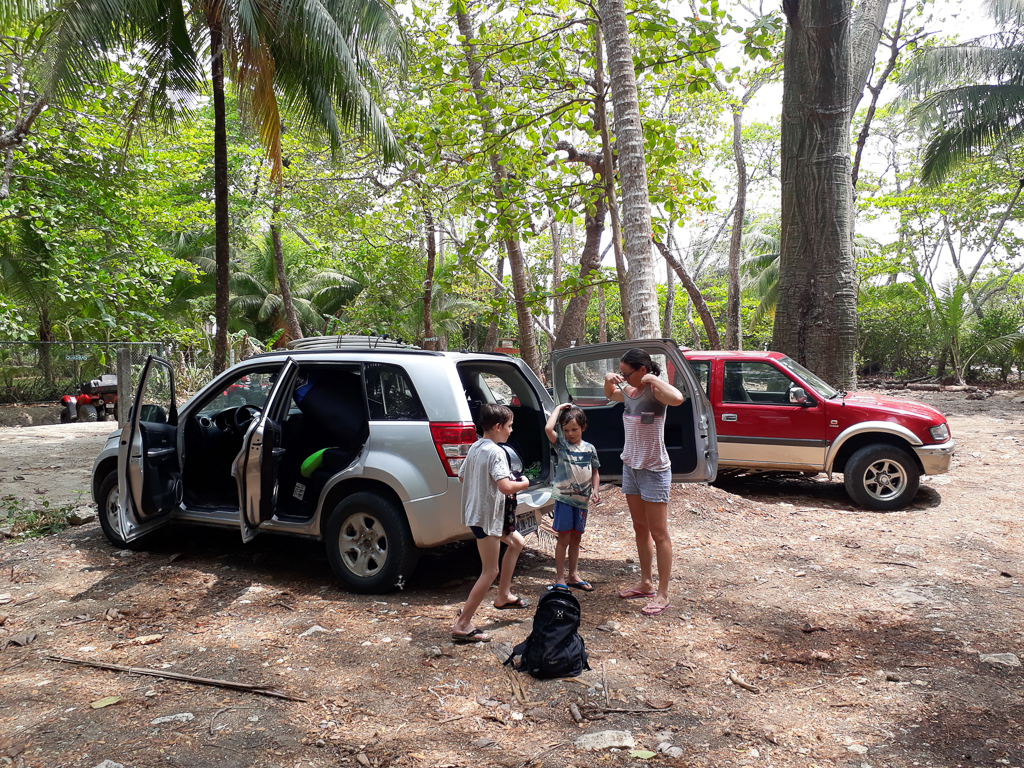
pixel 42 372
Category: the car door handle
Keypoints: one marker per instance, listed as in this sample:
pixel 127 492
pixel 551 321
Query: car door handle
pixel 729 417
pixel 278 452
pixel 156 453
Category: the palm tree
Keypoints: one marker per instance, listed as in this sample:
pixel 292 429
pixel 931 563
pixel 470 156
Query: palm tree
pixel 629 141
pixel 972 95
pixel 258 306
pixel 312 59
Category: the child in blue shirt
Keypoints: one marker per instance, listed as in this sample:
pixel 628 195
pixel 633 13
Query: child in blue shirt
pixel 576 485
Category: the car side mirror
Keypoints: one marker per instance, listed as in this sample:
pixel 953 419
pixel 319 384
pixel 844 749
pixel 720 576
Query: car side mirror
pixel 798 396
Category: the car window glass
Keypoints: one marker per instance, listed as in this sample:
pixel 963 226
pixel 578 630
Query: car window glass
pixel 155 400
pixel 755 383
pixel 250 388
pixel 584 380
pixel 390 394
pixel 702 370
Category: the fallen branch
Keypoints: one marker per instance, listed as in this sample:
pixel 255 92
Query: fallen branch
pixel 737 680
pixel 248 687
pixel 887 562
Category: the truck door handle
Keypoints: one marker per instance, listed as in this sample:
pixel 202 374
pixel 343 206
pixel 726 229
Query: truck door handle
pixel 729 417
pixel 156 453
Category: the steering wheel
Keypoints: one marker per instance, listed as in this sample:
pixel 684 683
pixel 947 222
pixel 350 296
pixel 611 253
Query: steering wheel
pixel 241 423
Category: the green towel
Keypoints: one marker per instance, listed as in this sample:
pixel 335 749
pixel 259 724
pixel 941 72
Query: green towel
pixel 310 465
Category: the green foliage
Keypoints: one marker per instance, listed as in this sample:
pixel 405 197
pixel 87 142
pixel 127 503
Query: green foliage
pixel 894 329
pixel 33 519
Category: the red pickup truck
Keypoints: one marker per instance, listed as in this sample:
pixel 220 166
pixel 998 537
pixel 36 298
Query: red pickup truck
pixel 772 414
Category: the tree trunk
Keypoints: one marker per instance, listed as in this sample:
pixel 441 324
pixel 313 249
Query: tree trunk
pixel 696 297
pixel 629 140
pixel 556 272
pixel 292 329
pixel 222 249
pixel 602 317
pixel 491 340
pixel 527 340
pixel 608 177
pixel 575 317
pixel 733 329
pixel 428 283
pixel 816 315
pixel 670 302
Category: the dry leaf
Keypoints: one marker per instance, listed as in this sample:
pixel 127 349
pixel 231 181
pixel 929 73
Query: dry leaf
pixel 20 640
pixel 112 614
pixel 105 702
pixel 659 703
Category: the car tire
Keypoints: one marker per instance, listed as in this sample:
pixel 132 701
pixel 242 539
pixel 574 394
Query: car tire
pixel 881 477
pixel 87 413
pixel 107 500
pixel 369 545
pixel 65 417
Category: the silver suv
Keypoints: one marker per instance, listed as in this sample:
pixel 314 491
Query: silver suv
pixel 357 442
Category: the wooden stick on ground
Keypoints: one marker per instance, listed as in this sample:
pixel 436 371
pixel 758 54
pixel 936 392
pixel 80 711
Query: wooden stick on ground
pixel 737 680
pixel 248 687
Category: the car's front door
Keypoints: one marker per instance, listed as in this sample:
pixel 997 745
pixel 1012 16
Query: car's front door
pixel 760 421
pixel 148 465
pixel 256 466
pixel 689 428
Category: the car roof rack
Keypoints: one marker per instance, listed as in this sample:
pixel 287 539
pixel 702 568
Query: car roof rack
pixel 349 341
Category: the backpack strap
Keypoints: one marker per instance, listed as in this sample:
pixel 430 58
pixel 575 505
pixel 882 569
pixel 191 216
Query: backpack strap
pixel 519 650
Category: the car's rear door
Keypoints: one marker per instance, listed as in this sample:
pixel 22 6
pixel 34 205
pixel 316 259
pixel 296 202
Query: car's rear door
pixel 256 467
pixel 148 463
pixel 689 428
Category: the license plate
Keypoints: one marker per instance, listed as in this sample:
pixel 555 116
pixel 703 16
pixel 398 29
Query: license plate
pixel 526 522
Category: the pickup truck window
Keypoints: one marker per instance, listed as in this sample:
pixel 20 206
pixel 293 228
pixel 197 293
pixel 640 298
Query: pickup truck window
pixel 755 383
pixel 702 370
pixel 819 385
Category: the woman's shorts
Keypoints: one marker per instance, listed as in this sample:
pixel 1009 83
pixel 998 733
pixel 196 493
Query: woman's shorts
pixel 569 518
pixel 649 484
pixel 479 532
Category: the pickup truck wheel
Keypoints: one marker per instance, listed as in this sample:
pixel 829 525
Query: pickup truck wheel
pixel 369 544
pixel 881 477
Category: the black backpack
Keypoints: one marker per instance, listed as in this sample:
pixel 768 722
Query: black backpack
pixel 554 647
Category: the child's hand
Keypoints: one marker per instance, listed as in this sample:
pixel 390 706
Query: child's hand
pixel 563 406
pixel 595 497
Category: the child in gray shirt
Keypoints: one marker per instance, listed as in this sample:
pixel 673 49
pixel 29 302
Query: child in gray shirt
pixel 487 479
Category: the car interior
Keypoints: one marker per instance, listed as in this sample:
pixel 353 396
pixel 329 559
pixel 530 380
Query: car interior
pixel 326 412
pixel 502 383
pixel 584 382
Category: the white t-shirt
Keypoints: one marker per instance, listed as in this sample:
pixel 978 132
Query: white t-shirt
pixel 483 505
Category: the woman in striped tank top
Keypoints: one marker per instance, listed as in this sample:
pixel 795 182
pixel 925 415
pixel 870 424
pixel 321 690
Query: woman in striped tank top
pixel 646 470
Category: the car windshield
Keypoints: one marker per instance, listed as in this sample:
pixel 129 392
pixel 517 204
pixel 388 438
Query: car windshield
pixel 820 386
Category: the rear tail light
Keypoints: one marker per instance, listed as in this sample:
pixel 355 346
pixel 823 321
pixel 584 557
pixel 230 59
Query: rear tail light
pixel 453 441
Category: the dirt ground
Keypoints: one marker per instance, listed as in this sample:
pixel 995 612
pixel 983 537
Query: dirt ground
pixel 859 654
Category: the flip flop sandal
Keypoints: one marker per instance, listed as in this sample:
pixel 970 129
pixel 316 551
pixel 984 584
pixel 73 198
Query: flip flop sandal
pixel 655 610
pixel 583 586
pixel 474 636
pixel 517 603
pixel 635 594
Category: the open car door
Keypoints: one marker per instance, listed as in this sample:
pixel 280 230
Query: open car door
pixel 148 462
pixel 256 467
pixel 689 428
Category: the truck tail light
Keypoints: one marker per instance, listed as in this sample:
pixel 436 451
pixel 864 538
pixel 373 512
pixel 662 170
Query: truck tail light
pixel 940 434
pixel 452 440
